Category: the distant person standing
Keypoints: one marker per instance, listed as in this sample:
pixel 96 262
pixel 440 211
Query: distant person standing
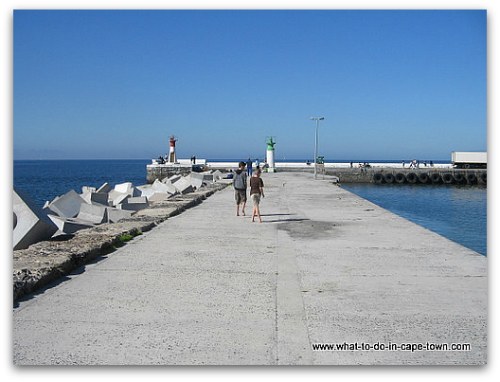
pixel 249 167
pixel 257 164
pixel 240 188
pixel 256 192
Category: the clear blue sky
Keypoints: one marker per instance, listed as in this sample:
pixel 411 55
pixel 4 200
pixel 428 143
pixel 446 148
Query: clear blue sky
pixel 117 84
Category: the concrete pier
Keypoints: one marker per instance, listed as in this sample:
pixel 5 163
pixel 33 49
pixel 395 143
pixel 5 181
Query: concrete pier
pixel 208 287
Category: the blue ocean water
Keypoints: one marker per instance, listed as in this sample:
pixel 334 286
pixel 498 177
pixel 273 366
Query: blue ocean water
pixel 456 212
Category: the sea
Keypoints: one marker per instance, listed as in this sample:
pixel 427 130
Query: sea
pixel 456 212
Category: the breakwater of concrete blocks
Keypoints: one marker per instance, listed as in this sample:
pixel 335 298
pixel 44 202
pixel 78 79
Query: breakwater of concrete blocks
pixel 423 176
pixel 76 228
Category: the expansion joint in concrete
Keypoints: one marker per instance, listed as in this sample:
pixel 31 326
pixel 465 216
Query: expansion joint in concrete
pixel 294 347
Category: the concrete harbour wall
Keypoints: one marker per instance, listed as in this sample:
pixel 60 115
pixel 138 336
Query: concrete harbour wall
pixel 420 176
pixel 160 172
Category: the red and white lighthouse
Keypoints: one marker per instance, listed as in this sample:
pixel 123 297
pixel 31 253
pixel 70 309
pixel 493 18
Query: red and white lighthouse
pixel 171 155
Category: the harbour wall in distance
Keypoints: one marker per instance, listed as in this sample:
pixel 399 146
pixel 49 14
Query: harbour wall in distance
pixel 157 171
pixel 430 176
pixel 379 173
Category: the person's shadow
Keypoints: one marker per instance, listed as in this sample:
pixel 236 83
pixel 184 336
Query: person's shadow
pixel 282 220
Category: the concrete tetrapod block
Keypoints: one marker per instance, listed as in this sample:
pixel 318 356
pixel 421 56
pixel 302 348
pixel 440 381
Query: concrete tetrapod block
pixel 93 213
pixel 124 187
pixel 208 178
pixel 217 175
pixel 159 197
pixel 183 185
pixel 135 203
pixel 146 190
pixel 67 205
pixel 115 214
pixel 171 188
pixel 31 224
pixel 172 179
pixel 105 188
pixel 127 188
pixel 95 197
pixel 70 225
pixel 166 187
pixel 86 189
pixel 196 179
pixel 47 204
pixel 115 197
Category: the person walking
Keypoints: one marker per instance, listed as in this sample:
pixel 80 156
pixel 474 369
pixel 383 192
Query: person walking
pixel 256 192
pixel 240 188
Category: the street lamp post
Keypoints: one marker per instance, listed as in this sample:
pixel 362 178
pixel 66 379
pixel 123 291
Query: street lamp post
pixel 317 119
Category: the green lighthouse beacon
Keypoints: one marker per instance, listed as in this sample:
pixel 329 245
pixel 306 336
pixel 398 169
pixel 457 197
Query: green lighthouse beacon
pixel 270 154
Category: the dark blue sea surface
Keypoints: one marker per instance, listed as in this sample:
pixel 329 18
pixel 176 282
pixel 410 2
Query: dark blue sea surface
pixel 458 213
pixel 43 180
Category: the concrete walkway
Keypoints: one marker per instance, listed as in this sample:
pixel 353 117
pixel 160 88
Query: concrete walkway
pixel 207 287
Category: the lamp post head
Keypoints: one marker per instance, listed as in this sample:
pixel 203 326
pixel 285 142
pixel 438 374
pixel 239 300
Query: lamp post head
pixel 317 118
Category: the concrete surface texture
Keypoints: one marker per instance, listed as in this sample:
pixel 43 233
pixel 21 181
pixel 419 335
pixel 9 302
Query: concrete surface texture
pixel 208 287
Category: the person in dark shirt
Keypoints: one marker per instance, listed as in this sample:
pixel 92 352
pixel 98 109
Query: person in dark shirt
pixel 249 167
pixel 256 192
